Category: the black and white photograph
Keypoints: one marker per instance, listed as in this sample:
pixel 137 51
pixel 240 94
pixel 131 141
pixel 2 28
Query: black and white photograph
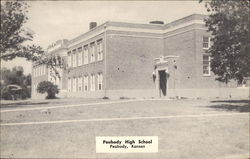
pixel 125 79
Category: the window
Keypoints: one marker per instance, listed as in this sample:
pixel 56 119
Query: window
pixel 42 72
pixel 74 58
pixel 41 67
pixel 45 68
pixel 99 50
pixel 85 82
pixel 34 87
pixel 206 65
pixel 86 55
pixel 39 70
pixel 79 56
pixel 99 81
pixel 79 84
pixel 69 59
pixel 92 53
pixel 74 84
pixel 92 82
pixel 206 42
pixel 69 84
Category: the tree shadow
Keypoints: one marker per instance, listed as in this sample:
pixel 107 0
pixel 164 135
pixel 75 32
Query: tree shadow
pixel 20 104
pixel 230 101
pixel 231 105
pixel 238 108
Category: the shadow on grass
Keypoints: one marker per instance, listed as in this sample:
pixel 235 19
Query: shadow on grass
pixel 231 105
pixel 19 104
pixel 237 108
pixel 230 101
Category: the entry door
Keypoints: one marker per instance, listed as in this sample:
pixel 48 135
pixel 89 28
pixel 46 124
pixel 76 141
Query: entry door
pixel 163 82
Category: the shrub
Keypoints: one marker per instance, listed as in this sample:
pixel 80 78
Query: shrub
pixel 105 97
pixel 6 94
pixel 49 88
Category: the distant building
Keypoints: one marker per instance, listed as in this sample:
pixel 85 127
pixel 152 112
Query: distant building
pixel 118 59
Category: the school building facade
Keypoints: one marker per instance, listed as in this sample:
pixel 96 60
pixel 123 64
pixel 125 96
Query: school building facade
pixel 118 59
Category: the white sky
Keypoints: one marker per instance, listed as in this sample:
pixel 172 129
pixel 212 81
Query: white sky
pixel 54 20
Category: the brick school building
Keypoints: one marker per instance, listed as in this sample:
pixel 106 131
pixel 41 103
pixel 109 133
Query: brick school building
pixel 118 59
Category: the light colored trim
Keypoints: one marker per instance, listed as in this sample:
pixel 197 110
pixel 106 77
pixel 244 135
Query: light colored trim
pixel 143 30
pixel 161 31
pixel 85 39
pixel 184 32
pixel 155 37
pixel 136 36
pixel 184 25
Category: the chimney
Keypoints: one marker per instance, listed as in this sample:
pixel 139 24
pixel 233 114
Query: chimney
pixel 156 22
pixel 92 25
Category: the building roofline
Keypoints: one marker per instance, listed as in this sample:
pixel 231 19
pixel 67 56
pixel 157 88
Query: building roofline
pixel 150 26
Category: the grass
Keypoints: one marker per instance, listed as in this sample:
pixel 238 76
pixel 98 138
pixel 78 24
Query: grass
pixel 192 138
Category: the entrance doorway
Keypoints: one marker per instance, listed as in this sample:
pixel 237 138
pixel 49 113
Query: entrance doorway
pixel 162 82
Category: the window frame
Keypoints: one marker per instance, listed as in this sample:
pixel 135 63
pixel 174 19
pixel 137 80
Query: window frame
pixel 99 50
pixel 92 52
pixel 79 84
pixel 85 55
pixel 69 59
pixel 74 58
pixel 86 83
pixel 74 89
pixel 79 56
pixel 208 42
pixel 208 65
pixel 69 85
pixel 100 81
pixel 92 82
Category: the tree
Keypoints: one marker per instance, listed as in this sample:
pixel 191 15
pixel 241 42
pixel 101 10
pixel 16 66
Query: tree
pixel 13 36
pixel 16 78
pixel 49 88
pixel 229 24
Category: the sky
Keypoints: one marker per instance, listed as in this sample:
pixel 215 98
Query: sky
pixel 55 20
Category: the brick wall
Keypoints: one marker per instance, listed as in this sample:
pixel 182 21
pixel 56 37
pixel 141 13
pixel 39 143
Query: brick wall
pixel 130 61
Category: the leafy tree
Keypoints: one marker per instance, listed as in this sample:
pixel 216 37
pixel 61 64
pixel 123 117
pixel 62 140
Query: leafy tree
pixel 229 24
pixel 13 36
pixel 15 77
pixel 49 88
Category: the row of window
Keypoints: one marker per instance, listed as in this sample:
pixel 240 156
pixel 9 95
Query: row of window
pixel 86 54
pixel 39 70
pixel 206 58
pixel 85 83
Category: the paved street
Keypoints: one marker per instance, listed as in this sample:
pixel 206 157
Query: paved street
pixel 190 129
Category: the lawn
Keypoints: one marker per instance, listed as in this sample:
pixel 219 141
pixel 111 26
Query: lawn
pixel 196 137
